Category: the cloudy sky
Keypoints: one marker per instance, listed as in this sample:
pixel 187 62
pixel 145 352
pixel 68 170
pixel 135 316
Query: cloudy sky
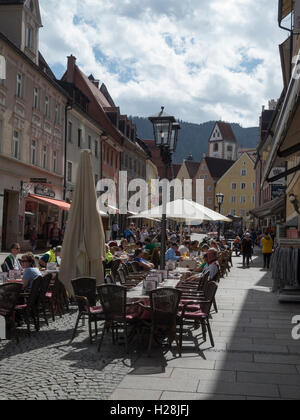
pixel 202 59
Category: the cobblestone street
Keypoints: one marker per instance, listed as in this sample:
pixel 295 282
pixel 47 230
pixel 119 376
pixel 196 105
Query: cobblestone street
pixel 254 357
pixel 47 366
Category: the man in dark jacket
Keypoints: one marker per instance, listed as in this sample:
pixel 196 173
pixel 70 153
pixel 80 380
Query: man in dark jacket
pixel 247 247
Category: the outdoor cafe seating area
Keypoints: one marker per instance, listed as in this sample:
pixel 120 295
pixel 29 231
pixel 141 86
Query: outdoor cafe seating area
pixel 141 308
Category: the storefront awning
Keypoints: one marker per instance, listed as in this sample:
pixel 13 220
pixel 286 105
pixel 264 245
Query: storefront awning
pixel 287 131
pixel 272 208
pixel 51 201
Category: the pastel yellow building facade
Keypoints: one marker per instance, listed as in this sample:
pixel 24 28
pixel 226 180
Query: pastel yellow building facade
pixel 238 185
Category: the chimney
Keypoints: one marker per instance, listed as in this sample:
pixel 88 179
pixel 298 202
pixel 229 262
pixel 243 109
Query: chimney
pixel 71 68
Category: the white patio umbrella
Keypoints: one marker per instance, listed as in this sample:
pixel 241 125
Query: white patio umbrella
pixel 83 249
pixel 184 210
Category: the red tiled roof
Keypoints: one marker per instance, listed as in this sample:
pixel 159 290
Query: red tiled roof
pixel 176 169
pixel 192 167
pixel 96 92
pixel 226 131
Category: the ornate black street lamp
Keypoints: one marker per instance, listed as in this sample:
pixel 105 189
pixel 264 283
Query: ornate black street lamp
pixel 165 130
pixel 220 201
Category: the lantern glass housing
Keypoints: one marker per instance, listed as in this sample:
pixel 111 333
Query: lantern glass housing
pixel 220 198
pixel 162 127
pixel 174 136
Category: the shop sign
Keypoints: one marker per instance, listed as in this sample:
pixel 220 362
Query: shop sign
pixel 44 191
pixel 275 172
pixel 277 191
pixel 39 180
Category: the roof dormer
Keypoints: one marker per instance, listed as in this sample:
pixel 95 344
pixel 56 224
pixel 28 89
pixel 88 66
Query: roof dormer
pixel 20 22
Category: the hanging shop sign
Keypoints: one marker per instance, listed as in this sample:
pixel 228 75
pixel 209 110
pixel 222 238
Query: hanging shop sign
pixel 277 171
pixel 44 191
pixel 278 191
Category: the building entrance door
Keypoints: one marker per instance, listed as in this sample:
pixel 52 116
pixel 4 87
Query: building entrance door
pixel 10 219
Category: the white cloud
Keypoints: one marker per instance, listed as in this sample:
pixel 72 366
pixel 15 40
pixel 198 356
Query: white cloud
pixel 202 60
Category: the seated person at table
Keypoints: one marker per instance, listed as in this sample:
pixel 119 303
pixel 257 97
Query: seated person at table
pixel 224 246
pixel 144 265
pixel 11 262
pixel 50 257
pixel 204 264
pixel 108 259
pixel 212 267
pixel 150 246
pixel 139 245
pixel 155 257
pixel 214 244
pixel 204 249
pixel 124 245
pixel 171 253
pixel 30 271
pixel 184 249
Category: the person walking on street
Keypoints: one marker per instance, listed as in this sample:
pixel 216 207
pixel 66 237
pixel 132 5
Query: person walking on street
pixel 55 235
pixel 128 235
pixel 247 247
pixel 267 249
pixel 115 231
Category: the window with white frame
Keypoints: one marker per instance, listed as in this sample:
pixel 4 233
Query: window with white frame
pixel 79 137
pixel 57 114
pixel 44 157
pixel 54 161
pixel 254 186
pixel 243 186
pixel 69 171
pixel 47 106
pixel 232 212
pixel 70 131
pixel 1 134
pixel 233 199
pixel 96 148
pixel 16 144
pixel 209 188
pixel 233 186
pixel 33 152
pixel 36 98
pixel 243 199
pixel 29 37
pixel 19 91
pixel 244 172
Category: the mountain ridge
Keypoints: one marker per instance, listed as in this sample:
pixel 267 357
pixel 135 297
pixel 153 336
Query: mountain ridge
pixel 193 138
